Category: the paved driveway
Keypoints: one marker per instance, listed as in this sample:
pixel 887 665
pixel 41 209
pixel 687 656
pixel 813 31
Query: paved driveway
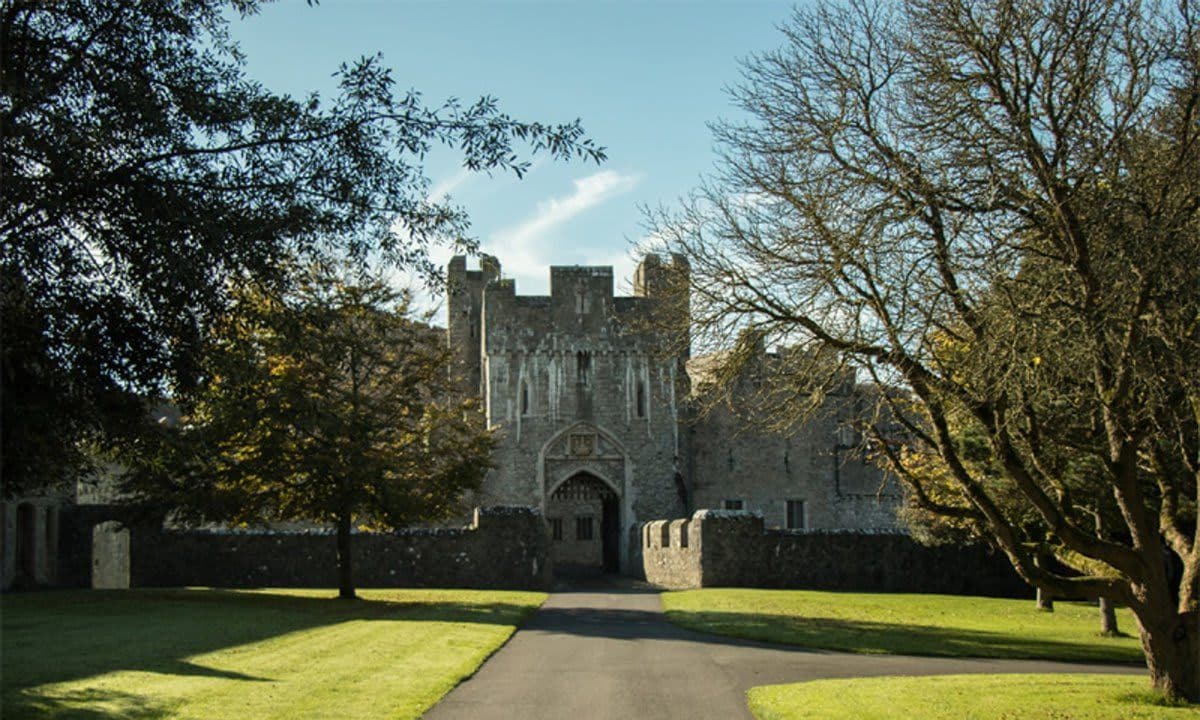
pixel 606 651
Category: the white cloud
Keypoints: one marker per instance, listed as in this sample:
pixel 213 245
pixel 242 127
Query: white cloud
pixel 623 265
pixel 589 192
pixel 525 249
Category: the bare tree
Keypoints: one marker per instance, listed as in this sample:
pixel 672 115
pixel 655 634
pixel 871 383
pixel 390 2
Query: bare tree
pixel 990 206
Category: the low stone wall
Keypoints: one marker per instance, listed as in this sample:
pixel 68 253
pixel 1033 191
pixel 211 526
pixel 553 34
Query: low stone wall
pixel 725 549
pixel 505 547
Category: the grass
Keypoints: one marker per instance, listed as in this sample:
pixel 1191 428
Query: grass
pixel 963 697
pixel 939 625
pixel 193 653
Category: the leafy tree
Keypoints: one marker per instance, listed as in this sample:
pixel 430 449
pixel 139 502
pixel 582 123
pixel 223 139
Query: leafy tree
pixel 990 207
pixel 329 404
pixel 143 171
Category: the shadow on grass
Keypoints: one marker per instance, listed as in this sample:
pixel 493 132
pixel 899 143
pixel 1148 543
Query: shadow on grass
pixel 82 705
pixel 65 636
pixel 885 638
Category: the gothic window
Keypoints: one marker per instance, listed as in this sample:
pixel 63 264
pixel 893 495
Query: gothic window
pixel 556 527
pixel 641 399
pixel 583 367
pixel 797 515
pixel 524 398
pixel 583 528
pixel 581 300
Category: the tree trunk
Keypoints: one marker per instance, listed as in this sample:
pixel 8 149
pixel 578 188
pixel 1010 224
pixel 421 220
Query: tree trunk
pixel 345 574
pixel 1108 618
pixel 1173 654
pixel 1045 601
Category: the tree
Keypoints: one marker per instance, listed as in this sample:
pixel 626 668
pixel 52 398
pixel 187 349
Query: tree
pixel 926 469
pixel 990 207
pixel 143 171
pixel 329 405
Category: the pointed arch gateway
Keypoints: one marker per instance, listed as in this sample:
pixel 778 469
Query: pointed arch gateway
pixel 584 472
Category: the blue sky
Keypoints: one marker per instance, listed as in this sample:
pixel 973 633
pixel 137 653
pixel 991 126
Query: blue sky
pixel 644 77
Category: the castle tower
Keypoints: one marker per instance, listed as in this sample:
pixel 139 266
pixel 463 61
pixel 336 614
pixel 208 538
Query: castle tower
pixel 667 283
pixel 464 310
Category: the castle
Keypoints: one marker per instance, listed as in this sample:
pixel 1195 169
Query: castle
pixel 595 421
pixel 596 418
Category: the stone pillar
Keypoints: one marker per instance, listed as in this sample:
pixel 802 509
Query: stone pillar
pixel 8 544
pixel 40 554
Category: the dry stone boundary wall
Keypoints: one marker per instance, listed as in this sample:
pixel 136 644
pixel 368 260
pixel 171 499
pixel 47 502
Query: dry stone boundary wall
pixel 717 548
pixel 504 548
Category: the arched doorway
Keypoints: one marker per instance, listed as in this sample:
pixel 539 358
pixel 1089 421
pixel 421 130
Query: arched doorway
pixel 584 514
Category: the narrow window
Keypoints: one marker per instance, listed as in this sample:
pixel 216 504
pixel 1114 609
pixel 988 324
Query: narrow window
pixel 524 398
pixel 797 515
pixel 734 505
pixel 641 399
pixel 556 525
pixel 583 528
pixel 583 367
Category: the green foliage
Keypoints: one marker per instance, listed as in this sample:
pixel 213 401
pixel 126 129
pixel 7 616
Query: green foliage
pixel 979 697
pixel 143 171
pixel 328 404
pixel 223 654
pixel 331 395
pixel 902 624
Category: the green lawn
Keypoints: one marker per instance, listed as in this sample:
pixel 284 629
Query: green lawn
pixel 944 625
pixel 195 653
pixel 967 697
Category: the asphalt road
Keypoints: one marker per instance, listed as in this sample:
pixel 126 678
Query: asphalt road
pixel 605 650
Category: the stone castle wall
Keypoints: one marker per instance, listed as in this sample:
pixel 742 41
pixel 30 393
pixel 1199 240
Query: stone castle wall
pixel 736 460
pixel 573 363
pixel 505 547
pixel 581 361
pixel 724 549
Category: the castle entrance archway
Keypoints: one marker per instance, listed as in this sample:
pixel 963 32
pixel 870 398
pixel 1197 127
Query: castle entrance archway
pixel 584 513
pixel 584 472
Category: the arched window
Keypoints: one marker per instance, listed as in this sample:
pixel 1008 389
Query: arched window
pixel 641 399
pixel 524 398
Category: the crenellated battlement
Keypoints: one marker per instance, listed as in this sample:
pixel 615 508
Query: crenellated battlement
pixel 581 300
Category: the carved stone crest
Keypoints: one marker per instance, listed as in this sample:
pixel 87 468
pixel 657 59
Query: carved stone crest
pixel 583 444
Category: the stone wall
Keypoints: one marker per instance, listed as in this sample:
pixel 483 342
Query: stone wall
pixel 29 531
pixel 735 459
pixel 505 547
pixel 727 549
pixel 574 386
